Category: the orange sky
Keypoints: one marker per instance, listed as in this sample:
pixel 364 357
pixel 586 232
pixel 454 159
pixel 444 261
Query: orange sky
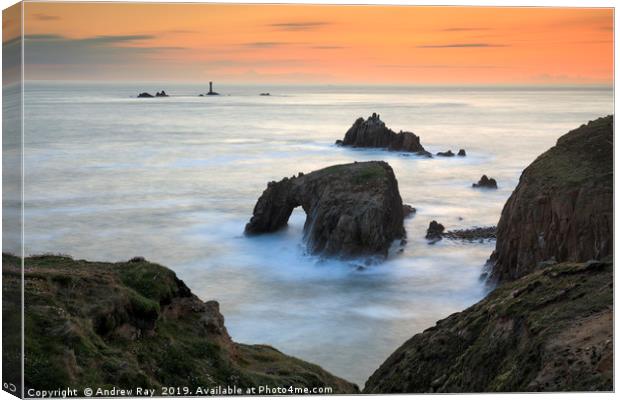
pixel 310 44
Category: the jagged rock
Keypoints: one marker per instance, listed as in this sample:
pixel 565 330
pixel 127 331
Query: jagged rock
pixel 462 153
pixel 562 207
pixel 435 231
pixel 145 95
pixel 485 182
pixel 448 153
pixel 476 233
pixel 408 210
pixel 373 133
pixel 161 94
pixel 551 330
pixel 351 209
pixel 136 323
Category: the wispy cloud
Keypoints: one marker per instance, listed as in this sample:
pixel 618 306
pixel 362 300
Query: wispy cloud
pixel 459 45
pixel 299 26
pixel 53 49
pixel 46 17
pixel 269 45
pixel 440 66
pixel 465 29
pixel 328 47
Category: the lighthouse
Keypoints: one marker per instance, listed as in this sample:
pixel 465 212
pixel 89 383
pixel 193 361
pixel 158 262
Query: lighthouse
pixel 211 92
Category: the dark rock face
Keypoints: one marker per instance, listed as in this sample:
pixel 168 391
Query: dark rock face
pixel 351 209
pixel 161 94
pixel 462 153
pixel 485 182
pixel 551 330
pixel 373 133
pixel 434 231
pixel 562 208
pixel 145 95
pixel 448 153
pixel 95 324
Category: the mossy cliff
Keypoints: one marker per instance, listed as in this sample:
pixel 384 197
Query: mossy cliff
pixel 562 208
pixel 135 324
pixel 548 331
pixel 548 326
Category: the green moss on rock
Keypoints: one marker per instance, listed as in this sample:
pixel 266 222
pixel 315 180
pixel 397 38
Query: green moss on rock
pixel 548 331
pixel 135 324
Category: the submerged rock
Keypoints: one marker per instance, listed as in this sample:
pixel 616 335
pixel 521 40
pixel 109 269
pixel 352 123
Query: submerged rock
pixel 471 234
pixel 562 207
pixel 448 153
pixel 551 330
pixel 408 210
pixel 97 324
pixel 351 209
pixel 145 95
pixel 485 182
pixel 373 133
pixel 435 231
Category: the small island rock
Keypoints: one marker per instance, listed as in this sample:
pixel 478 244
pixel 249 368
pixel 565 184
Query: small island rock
pixel 485 182
pixel 372 132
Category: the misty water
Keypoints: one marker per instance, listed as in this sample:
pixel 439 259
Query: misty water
pixel 109 177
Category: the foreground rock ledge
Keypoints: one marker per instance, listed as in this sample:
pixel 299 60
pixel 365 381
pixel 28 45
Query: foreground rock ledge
pixel 135 324
pixel 562 208
pixel 372 132
pixel 351 209
pixel 548 331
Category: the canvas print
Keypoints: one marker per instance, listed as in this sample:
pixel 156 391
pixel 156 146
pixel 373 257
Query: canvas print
pixel 259 199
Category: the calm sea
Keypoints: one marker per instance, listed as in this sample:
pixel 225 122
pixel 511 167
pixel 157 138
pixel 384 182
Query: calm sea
pixel 109 177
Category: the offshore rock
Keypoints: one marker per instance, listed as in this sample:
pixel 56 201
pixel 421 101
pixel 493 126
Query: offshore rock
pixel 372 132
pixel 485 182
pixel 351 209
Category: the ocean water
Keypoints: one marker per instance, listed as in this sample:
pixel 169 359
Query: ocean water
pixel 109 176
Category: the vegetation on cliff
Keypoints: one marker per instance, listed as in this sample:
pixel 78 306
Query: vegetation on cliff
pixel 135 324
pixel 562 209
pixel 548 331
pixel 548 326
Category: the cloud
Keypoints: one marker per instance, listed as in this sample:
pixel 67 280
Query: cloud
pixel 464 29
pixel 299 26
pixel 46 17
pixel 440 66
pixel 269 45
pixel 53 49
pixel 459 45
pixel 328 47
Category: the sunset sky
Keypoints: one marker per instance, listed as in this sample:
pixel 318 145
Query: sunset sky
pixel 318 44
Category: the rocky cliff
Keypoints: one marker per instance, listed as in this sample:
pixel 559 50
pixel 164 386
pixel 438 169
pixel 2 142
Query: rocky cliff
pixel 548 331
pixel 562 208
pixel 548 326
pixel 372 132
pixel 351 209
pixel 135 324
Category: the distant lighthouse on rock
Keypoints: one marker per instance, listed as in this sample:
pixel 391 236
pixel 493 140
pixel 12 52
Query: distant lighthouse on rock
pixel 211 92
